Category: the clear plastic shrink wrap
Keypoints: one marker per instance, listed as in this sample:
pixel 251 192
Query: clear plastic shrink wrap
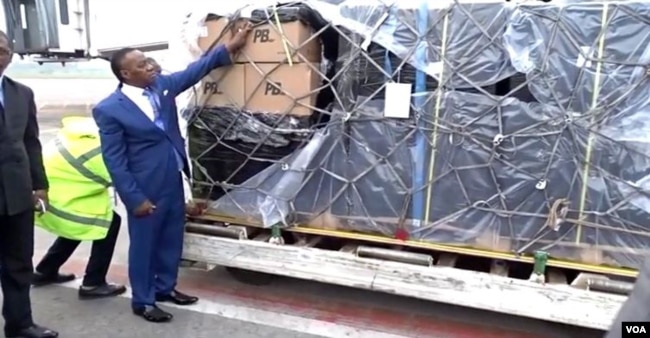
pixel 528 123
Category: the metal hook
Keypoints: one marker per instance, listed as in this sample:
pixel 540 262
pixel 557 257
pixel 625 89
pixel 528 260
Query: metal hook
pixel 498 138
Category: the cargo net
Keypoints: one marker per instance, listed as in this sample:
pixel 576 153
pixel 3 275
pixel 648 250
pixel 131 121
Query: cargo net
pixel 527 129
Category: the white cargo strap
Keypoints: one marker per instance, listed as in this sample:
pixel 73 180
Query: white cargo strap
pixel 78 162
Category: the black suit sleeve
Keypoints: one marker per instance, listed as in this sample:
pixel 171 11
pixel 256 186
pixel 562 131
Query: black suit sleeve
pixel 33 146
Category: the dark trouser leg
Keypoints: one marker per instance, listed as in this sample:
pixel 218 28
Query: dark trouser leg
pixel 16 272
pixel 102 254
pixel 143 232
pixel 56 256
pixel 170 244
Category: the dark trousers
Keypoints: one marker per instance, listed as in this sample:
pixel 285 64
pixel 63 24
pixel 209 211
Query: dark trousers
pixel 156 245
pixel 100 256
pixel 16 269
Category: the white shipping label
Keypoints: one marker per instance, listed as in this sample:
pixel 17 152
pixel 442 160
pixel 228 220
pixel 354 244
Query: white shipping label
pixel 398 100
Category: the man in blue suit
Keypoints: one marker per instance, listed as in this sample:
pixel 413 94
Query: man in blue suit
pixel 145 156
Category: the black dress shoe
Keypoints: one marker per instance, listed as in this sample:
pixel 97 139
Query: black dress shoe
pixel 33 331
pixel 59 278
pixel 177 298
pixel 152 313
pixel 102 291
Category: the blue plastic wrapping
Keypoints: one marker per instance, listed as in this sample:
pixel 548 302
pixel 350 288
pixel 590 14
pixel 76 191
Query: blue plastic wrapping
pixel 527 131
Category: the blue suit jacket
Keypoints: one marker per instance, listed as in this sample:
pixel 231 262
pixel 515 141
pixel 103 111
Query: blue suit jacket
pixel 135 151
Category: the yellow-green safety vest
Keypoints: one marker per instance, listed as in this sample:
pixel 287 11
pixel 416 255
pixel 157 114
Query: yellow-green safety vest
pixel 80 205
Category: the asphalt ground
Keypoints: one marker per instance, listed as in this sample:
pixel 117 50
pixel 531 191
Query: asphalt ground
pixel 228 308
pixel 59 308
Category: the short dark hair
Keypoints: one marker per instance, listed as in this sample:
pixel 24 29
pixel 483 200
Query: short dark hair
pixel 116 61
pixel 10 42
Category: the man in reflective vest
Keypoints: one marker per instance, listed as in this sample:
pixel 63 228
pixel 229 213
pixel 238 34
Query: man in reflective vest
pixel 80 208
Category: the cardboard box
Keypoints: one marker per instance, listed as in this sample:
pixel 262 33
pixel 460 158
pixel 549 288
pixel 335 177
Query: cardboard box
pixel 281 88
pixel 265 41
pixel 223 87
pixel 265 44
pixel 217 29
pixel 213 30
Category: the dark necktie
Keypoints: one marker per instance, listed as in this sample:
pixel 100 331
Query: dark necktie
pixel 158 121
pixel 155 104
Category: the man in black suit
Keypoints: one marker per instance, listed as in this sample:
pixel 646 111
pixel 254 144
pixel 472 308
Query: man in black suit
pixel 23 185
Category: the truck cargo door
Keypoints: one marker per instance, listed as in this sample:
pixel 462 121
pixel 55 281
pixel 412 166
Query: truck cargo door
pixel 47 27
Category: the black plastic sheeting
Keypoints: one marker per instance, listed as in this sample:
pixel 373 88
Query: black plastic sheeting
pixel 560 165
pixel 229 145
pixel 371 69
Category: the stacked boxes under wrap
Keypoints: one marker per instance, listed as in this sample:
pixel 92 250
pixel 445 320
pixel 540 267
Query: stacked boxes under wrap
pixel 503 132
pixel 249 115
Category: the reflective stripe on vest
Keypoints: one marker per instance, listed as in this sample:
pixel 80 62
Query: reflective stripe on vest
pixel 78 219
pixel 78 162
pixel 83 158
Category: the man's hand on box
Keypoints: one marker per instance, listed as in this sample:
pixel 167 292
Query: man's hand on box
pixel 239 38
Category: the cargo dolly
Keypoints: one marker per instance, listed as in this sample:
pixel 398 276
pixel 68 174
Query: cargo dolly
pixel 426 271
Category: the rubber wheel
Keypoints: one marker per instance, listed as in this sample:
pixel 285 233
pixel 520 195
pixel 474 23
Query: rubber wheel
pixel 250 277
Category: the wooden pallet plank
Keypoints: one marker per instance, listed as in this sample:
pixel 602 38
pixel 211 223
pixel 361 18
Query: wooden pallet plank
pixel 556 303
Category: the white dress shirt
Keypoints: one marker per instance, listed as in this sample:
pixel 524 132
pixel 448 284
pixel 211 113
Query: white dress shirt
pixel 136 95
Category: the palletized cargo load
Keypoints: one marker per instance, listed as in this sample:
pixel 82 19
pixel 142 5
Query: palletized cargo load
pixel 525 131
pixel 469 165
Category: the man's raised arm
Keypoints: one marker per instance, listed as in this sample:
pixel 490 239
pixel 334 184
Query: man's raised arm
pixel 179 82
pixel 114 154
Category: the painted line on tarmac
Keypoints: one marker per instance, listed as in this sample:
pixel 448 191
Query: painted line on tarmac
pixel 272 319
